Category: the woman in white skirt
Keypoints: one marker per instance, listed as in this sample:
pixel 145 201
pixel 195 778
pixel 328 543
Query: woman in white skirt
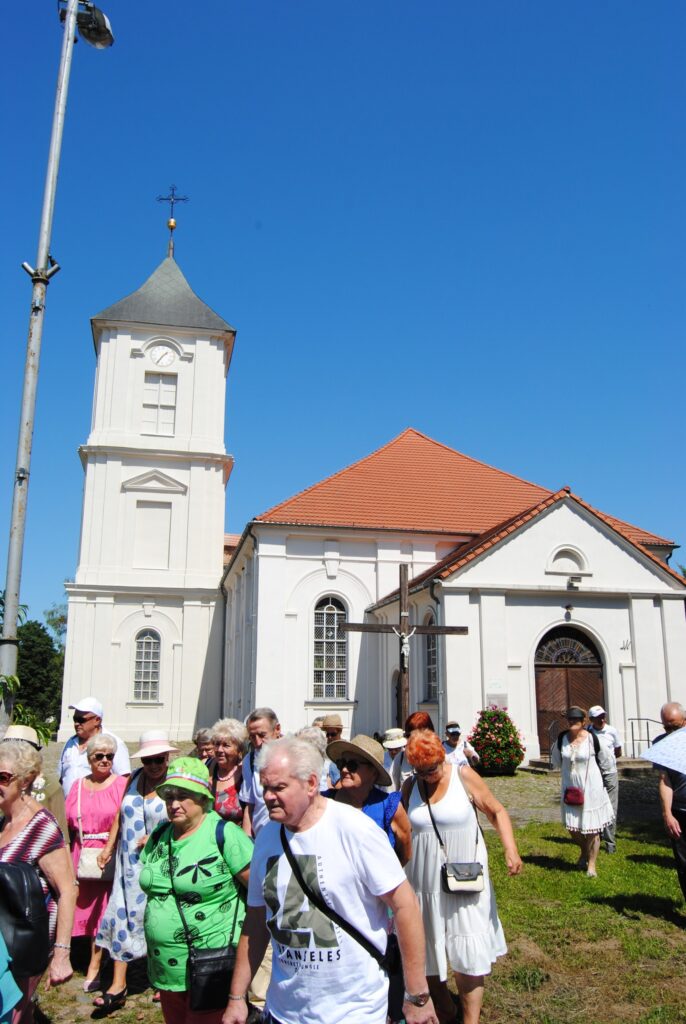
pixel 463 931
pixel 584 803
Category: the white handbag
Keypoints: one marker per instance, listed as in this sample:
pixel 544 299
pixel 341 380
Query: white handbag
pixel 88 869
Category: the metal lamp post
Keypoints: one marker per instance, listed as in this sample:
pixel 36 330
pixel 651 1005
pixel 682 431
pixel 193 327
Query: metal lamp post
pixel 94 28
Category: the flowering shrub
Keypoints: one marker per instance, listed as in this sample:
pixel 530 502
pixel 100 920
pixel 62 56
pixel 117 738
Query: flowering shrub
pixel 497 742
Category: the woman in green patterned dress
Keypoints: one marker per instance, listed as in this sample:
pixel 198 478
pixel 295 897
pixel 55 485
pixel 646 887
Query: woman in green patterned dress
pixel 208 860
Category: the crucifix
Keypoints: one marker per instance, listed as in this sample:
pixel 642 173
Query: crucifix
pixel 404 633
pixel 172 199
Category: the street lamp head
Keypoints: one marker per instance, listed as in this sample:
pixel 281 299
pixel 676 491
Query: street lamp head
pixel 94 27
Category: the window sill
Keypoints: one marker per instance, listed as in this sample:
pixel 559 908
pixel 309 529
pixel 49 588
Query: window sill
pixel 144 704
pixel 340 702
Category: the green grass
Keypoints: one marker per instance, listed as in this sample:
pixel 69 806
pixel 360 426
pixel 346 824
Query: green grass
pixel 598 951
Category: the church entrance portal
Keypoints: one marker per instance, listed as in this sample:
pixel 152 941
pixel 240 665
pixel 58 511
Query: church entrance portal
pixel 568 671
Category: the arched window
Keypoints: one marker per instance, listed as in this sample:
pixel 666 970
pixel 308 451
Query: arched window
pixel 330 651
pixel 431 661
pixel 146 676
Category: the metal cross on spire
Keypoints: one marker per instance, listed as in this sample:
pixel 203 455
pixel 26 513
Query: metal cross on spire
pixel 172 199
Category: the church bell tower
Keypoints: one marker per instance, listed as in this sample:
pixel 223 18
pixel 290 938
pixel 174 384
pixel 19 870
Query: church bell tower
pixel 144 630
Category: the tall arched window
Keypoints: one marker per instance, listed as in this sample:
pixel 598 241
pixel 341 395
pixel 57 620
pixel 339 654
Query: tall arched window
pixel 431 661
pixel 146 676
pixel 330 651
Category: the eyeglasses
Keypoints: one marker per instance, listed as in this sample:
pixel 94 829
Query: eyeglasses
pixel 80 719
pixel 430 770
pixel 6 778
pixel 350 764
pixel 333 734
pixel 158 759
pixel 102 756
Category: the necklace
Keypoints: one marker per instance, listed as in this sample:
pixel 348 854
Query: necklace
pixel 229 775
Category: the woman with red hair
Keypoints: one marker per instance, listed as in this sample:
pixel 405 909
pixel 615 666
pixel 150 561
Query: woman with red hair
pixel 400 769
pixel 463 931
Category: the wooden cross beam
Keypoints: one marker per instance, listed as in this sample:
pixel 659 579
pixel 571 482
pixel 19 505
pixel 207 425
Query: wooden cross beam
pixel 403 632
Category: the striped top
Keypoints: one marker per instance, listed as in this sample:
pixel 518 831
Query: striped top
pixel 40 835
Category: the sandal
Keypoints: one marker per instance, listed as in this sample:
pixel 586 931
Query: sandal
pixel 110 1001
pixel 156 997
pixel 93 984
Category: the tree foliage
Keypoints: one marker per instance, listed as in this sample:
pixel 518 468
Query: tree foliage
pixel 40 664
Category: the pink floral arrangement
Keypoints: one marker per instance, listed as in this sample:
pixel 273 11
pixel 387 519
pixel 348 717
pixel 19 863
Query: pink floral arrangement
pixel 497 741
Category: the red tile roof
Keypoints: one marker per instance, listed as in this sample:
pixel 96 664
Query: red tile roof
pixel 416 484
pixel 230 545
pixel 466 553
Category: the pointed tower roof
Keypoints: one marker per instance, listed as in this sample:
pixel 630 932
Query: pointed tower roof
pixel 165 299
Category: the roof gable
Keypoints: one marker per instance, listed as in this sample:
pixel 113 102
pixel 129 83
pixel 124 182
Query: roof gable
pixel 467 553
pixel 166 299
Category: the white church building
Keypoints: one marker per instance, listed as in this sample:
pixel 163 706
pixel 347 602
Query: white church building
pixel 172 624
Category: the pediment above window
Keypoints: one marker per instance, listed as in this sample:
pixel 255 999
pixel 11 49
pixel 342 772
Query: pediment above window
pixel 154 482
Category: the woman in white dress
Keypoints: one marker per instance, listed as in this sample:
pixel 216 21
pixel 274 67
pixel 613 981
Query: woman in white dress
pixel 463 931
pixel 575 753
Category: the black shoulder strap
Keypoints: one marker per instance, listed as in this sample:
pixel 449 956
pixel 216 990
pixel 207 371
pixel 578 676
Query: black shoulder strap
pixel 560 738
pixel 596 746
pixel 325 908
pixel 219 835
pixel 186 930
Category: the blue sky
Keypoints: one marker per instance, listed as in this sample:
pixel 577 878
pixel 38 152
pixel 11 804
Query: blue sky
pixel 464 218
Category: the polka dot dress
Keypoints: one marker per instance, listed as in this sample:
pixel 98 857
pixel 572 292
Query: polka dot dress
pixel 121 928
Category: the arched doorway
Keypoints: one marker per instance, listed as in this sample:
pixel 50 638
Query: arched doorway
pixel 568 671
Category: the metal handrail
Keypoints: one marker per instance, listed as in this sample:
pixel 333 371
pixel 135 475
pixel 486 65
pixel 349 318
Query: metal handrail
pixel 637 737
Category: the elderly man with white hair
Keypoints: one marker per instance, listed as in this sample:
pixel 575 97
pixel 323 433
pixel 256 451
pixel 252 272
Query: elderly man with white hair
pixel 318 865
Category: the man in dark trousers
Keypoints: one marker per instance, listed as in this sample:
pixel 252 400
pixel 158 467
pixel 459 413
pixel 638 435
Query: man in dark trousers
pixel 672 792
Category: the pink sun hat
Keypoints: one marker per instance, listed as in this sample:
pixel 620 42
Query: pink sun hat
pixel 155 741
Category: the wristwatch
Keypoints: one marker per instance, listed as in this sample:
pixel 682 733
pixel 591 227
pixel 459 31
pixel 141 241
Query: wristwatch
pixel 419 1000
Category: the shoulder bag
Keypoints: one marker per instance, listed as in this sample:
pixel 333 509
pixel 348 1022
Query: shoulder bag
pixel 458 877
pixel 24 920
pixel 209 971
pixel 573 796
pixel 388 961
pixel 88 868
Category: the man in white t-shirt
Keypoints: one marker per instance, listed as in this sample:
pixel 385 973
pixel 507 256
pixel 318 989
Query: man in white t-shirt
pixel 73 764
pixel 458 751
pixel 609 738
pixel 321 974
pixel 263 726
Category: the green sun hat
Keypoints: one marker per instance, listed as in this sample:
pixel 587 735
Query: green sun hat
pixel 187 773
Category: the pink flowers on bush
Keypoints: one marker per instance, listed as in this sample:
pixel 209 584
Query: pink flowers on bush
pixel 497 741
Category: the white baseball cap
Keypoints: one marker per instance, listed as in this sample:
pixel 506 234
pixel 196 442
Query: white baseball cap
pixel 88 704
pixel 596 711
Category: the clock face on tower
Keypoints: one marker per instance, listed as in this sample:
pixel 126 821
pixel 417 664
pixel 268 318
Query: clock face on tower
pixel 162 355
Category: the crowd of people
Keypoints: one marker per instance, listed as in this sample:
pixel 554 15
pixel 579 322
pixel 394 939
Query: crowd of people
pixel 347 879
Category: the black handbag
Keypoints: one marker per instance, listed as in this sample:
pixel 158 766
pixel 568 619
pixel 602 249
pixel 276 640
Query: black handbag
pixel 24 919
pixel 209 971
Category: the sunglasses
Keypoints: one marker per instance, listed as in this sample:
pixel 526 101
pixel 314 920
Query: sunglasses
pixel 80 719
pixel 157 759
pixel 6 778
pixel 102 756
pixel 351 764
pixel 172 793
pixel 333 734
pixel 430 770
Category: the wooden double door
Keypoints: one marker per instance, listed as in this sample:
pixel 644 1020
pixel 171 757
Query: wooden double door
pixel 568 671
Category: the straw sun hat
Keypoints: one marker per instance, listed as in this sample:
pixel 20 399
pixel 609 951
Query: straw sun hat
pixel 365 748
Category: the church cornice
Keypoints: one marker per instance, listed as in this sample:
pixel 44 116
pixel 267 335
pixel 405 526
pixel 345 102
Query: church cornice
pixel 159 454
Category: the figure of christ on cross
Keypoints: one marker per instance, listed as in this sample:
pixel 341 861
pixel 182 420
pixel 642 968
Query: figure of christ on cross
pixel 404 632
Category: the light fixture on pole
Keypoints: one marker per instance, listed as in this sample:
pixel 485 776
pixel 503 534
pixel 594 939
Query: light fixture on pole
pixel 94 28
